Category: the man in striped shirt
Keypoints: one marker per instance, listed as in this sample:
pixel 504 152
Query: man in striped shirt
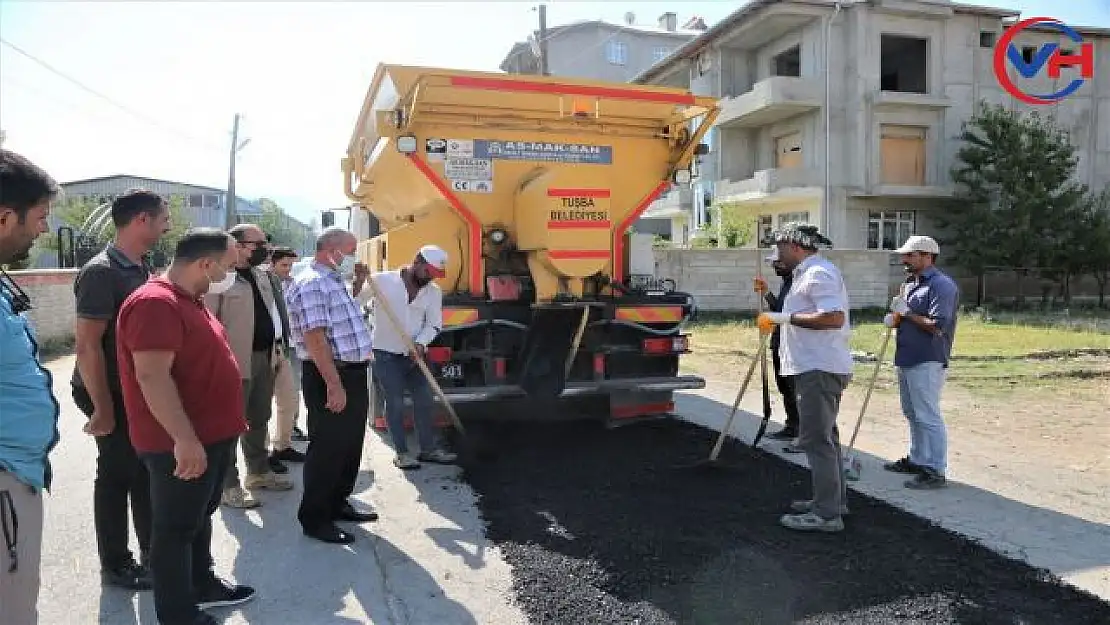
pixel 333 342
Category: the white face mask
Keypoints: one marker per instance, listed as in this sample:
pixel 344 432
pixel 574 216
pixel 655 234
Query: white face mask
pixel 346 265
pixel 223 285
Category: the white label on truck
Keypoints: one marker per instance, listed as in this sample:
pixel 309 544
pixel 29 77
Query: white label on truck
pixel 472 186
pixel 468 168
pixel 461 148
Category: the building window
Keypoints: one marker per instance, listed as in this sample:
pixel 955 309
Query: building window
pixel 887 230
pixel 1027 53
pixel 788 151
pixel 659 53
pixel 196 200
pixel 617 52
pixel 986 39
pixel 801 217
pixel 902 155
pixel 764 231
pixel 904 63
pixel 787 63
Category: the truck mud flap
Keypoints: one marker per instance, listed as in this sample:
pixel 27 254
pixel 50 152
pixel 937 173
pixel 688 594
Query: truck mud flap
pixel 546 347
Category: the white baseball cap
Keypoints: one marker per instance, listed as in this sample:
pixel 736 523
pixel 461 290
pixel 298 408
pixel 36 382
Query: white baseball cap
pixel 919 243
pixel 436 259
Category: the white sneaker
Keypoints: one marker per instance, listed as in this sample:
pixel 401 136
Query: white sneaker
pixel 405 462
pixel 810 522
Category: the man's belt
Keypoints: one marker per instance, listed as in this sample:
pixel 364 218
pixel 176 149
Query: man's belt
pixel 343 364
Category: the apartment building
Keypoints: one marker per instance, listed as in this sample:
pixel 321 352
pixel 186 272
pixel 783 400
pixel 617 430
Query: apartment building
pixel 899 77
pixel 602 50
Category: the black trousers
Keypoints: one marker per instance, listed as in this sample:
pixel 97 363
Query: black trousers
pixel 119 475
pixel 181 549
pixel 335 444
pixel 786 388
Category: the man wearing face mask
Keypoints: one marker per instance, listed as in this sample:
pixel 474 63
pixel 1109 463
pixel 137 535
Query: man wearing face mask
pixel 244 302
pixel 333 343
pixel 785 384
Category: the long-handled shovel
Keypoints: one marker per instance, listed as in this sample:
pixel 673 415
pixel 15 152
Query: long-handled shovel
pixel 853 468
pixel 400 330
pixel 711 462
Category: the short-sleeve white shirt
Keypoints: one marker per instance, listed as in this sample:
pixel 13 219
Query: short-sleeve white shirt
pixel 818 287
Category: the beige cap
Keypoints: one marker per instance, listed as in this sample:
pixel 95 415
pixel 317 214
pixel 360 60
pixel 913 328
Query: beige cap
pixel 919 243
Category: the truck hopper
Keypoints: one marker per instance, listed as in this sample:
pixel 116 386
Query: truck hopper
pixel 531 184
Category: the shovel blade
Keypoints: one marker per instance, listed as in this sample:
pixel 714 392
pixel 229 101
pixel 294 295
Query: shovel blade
pixel 545 351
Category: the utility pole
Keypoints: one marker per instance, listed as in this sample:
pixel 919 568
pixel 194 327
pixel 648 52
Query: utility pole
pixel 543 41
pixel 230 214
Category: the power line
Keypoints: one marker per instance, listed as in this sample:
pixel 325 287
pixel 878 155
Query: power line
pixel 109 100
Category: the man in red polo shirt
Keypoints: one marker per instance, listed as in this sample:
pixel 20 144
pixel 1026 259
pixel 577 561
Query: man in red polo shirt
pixel 184 400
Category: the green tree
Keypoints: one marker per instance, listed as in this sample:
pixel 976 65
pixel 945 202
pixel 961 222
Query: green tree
pixel 1015 193
pixel 1091 247
pixel 275 222
pixel 737 225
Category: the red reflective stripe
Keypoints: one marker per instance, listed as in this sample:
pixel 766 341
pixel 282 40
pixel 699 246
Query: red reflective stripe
pixel 578 193
pixel 527 86
pixel 618 234
pixel 474 226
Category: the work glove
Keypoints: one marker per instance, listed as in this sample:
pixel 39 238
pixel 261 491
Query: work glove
pixel 898 305
pixel 767 321
pixel 760 285
pixel 892 320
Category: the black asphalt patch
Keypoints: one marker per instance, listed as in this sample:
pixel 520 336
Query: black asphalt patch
pixel 601 529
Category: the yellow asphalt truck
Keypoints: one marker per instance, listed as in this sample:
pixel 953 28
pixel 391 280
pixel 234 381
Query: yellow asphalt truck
pixel 531 184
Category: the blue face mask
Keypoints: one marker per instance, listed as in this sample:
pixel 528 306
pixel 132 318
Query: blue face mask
pixel 347 266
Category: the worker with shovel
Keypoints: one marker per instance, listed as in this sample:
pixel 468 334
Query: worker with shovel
pixel 816 327
pixel 416 302
pixel 925 314
pixel 789 432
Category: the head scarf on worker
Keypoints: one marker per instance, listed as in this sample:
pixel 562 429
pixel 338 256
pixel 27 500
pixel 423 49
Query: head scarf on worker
pixel 803 235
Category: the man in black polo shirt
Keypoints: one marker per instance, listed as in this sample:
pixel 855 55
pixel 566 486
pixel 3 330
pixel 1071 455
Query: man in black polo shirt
pixel 785 384
pixel 141 218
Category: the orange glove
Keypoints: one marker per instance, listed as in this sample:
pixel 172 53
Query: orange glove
pixel 768 321
pixel 892 320
pixel 760 285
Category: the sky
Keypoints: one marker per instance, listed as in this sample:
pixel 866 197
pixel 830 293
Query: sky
pixel 151 88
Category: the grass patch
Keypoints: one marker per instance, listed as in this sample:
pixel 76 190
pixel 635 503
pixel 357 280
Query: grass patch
pixel 990 350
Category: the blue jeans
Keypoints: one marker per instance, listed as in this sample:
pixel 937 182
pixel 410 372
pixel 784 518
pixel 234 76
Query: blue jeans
pixel 396 374
pixel 919 387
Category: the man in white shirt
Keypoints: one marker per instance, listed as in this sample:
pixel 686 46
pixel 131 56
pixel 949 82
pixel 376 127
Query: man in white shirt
pixel 816 327
pixel 418 304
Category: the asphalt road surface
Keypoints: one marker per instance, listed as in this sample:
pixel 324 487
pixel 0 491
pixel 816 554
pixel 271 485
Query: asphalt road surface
pixel 606 526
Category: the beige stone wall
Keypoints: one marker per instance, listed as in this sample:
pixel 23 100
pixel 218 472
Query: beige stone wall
pixel 721 280
pixel 51 293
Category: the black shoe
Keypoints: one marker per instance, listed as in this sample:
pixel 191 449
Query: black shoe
pixel 903 466
pixel 276 465
pixel 288 455
pixel 219 594
pixel 298 435
pixel 928 479
pixel 348 513
pixel 784 434
pixel 330 534
pixel 131 576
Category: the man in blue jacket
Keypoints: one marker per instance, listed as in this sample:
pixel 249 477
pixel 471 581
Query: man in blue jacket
pixel 28 409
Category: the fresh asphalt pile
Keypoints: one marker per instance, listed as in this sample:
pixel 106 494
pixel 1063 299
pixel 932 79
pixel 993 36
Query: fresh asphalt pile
pixel 600 528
